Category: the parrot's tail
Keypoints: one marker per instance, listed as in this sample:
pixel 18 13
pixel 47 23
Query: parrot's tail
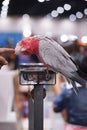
pixel 76 77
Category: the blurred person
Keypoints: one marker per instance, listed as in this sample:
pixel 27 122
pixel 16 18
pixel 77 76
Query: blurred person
pixel 60 84
pixel 75 106
pixel 3 60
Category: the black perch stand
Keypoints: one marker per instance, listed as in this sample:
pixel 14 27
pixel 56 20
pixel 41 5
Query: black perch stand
pixel 38 75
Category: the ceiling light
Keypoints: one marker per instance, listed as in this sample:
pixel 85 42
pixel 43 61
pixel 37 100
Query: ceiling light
pixel 84 39
pixel 27 33
pixel 4 7
pixel 85 11
pixel 64 38
pixel 67 7
pixel 25 17
pixel 3 14
pixel 72 17
pixel 54 13
pixel 79 15
pixel 5 2
pixel 60 10
pixel 41 0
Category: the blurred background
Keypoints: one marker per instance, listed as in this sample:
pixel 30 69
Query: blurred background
pixel 63 20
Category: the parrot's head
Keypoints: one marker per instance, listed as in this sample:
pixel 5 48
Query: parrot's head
pixel 27 46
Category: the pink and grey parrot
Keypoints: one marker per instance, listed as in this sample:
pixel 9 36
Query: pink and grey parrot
pixel 53 55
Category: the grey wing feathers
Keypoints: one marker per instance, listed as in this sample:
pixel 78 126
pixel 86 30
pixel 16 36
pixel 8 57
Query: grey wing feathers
pixel 64 53
pixel 55 56
pixel 59 60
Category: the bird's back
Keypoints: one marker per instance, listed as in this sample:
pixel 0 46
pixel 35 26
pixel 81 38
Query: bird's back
pixel 55 56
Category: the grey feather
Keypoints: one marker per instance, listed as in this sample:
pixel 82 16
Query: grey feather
pixel 54 55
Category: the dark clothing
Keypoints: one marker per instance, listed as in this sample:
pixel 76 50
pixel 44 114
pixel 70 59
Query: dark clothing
pixel 75 105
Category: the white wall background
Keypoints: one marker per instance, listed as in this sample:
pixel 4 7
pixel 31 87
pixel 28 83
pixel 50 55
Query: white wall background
pixel 44 25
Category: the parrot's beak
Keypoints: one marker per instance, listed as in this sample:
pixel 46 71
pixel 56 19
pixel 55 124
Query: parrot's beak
pixel 19 50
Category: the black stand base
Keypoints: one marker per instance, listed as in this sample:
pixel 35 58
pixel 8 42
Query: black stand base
pixel 36 109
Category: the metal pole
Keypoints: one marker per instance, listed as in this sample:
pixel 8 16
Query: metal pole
pixel 37 74
pixel 38 107
pixel 31 113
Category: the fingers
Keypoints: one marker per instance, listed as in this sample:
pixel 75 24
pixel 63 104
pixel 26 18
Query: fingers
pixel 3 50
pixel 3 61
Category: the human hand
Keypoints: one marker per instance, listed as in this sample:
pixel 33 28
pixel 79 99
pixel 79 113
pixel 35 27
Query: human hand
pixel 3 61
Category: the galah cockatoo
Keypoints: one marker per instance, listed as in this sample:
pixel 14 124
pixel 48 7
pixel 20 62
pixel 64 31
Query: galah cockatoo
pixel 53 55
